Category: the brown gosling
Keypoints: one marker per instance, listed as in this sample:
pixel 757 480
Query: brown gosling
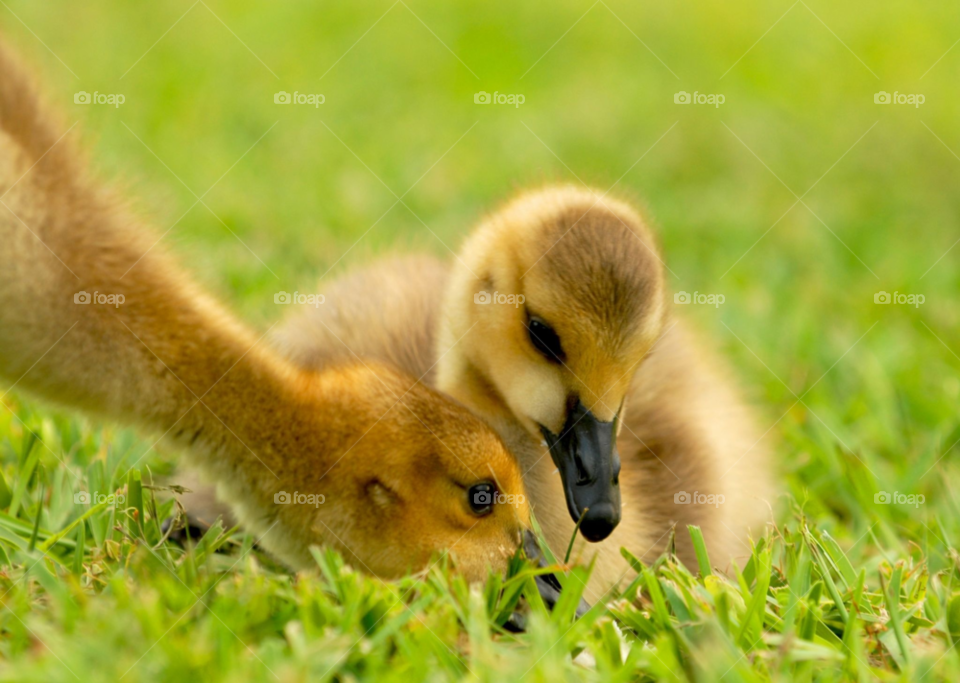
pixel 95 317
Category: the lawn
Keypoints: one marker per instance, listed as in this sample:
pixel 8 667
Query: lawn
pixel 799 199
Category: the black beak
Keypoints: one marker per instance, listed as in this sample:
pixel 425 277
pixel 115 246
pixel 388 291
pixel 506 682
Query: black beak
pixel 586 454
pixel 547 585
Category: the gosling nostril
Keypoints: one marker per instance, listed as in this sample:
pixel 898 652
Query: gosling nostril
pixel 582 476
pixel 531 548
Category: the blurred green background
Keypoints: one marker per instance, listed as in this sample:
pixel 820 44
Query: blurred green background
pixel 300 189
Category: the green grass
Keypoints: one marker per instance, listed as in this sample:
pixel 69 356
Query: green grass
pixel 861 397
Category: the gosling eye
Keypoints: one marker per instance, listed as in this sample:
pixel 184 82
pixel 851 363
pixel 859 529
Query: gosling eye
pixel 480 497
pixel 545 340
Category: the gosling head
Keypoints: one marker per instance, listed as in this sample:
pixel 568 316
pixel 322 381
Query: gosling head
pixel 554 302
pixel 423 476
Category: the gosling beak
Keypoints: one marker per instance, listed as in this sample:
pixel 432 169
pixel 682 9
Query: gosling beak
pixel 585 452
pixel 547 585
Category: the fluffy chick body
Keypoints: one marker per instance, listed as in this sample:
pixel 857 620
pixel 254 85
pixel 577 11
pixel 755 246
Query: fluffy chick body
pixel 684 428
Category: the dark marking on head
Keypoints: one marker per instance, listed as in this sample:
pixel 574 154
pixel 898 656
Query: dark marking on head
pixel 605 264
pixel 381 495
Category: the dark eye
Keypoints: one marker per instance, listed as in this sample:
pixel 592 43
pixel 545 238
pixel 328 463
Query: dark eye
pixel 480 497
pixel 545 340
